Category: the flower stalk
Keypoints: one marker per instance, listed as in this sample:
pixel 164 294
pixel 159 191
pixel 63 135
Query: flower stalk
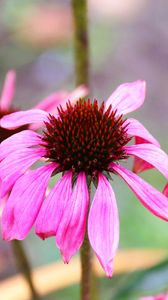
pixel 81 48
pixel 24 267
pixel 86 272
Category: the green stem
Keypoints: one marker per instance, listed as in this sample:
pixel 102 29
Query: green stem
pixel 86 266
pixel 89 289
pixel 81 49
pixel 24 267
pixel 86 273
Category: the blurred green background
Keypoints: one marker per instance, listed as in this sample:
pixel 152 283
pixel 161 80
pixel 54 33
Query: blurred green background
pixel 128 41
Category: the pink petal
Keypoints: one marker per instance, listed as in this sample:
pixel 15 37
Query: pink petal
pixel 53 207
pixel 20 118
pixel 71 230
pixel 140 165
pixel 151 198
pixel 16 164
pixel 103 224
pixel 150 153
pixel 8 90
pixel 165 191
pixel 51 103
pixel 80 92
pixel 127 97
pixel 23 139
pixel 135 128
pixel 142 136
pixel 25 202
pixel 3 203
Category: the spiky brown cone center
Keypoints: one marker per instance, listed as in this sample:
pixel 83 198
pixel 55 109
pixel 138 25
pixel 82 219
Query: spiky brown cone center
pixel 85 138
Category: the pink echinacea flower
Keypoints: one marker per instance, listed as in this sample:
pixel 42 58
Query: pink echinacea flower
pixel 48 104
pixel 86 142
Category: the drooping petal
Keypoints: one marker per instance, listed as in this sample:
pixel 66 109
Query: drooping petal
pixel 151 198
pixel 8 90
pixel 150 153
pixel 23 139
pixel 24 203
pixel 53 207
pixel 165 191
pixel 16 164
pixel 136 129
pixel 103 224
pixel 20 118
pixel 127 97
pixel 71 230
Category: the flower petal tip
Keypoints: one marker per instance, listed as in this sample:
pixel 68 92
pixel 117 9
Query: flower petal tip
pixel 5 237
pixel 41 236
pixel 141 85
pixel 65 258
pixel 108 270
pixel 10 237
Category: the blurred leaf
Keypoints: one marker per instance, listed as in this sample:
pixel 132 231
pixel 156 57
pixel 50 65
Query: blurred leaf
pixel 149 281
pixel 69 293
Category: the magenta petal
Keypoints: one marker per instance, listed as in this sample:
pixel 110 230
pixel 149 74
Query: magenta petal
pixel 151 198
pixel 24 203
pixel 136 129
pixel 127 97
pixel 142 136
pixel 20 118
pixel 140 165
pixel 165 191
pixel 71 230
pixel 80 92
pixel 51 103
pixel 23 139
pixel 53 207
pixel 103 224
pixel 16 164
pixel 150 153
pixel 8 90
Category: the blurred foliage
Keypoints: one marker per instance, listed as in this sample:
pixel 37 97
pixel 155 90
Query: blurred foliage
pixel 15 10
pixel 133 285
pixel 129 286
